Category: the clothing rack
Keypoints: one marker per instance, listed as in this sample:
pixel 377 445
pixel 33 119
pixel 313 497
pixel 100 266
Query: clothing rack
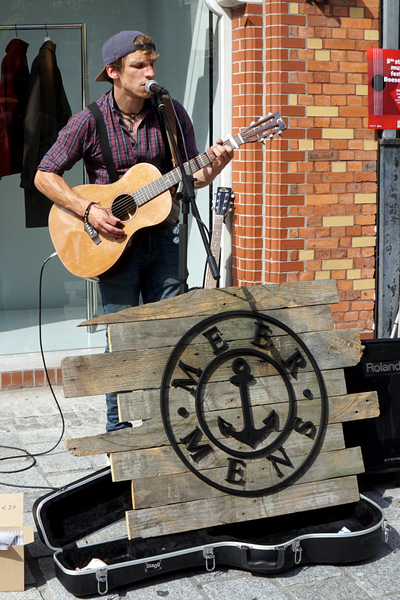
pixel 91 289
pixel 51 26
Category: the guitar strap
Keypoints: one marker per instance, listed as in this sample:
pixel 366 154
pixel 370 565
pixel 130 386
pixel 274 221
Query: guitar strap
pixel 105 145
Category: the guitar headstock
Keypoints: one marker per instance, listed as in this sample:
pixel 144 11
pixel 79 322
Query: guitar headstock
pixel 266 127
pixel 223 200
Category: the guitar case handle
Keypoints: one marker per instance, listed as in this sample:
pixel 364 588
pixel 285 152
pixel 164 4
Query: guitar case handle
pixel 262 566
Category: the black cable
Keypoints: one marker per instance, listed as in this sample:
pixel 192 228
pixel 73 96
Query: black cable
pixel 26 453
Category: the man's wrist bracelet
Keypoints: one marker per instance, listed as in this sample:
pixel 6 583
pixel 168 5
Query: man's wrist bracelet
pixel 86 215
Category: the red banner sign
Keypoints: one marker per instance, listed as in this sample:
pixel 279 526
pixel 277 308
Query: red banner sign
pixel 383 88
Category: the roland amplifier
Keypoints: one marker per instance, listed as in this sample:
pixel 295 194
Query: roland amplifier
pixel 379 438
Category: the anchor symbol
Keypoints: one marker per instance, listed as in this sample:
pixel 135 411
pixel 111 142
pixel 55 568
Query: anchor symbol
pixel 249 435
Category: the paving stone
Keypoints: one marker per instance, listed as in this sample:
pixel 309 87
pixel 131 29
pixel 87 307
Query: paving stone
pixel 30 497
pixel 29 406
pixel 39 423
pixel 307 574
pixel 84 424
pixel 27 478
pixel 171 588
pixel 392 494
pixel 41 439
pixel 337 588
pixel 99 461
pixel 394 535
pixel 86 404
pixel 14 458
pixel 62 460
pixel 388 481
pixel 220 573
pixel 245 588
pixel 9 437
pixel 381 573
pixel 388 501
pixel 28 594
pixel 54 590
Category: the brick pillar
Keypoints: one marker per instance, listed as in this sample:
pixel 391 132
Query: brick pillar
pixel 317 209
pixel 284 185
pixel 247 106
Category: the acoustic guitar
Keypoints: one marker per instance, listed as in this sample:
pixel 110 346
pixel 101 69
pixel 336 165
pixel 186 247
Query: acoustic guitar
pixel 223 201
pixel 141 199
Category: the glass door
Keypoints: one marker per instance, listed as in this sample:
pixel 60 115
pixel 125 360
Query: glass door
pixel 186 38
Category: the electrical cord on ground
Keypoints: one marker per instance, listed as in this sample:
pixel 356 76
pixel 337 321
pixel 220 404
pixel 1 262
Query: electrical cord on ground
pixel 25 453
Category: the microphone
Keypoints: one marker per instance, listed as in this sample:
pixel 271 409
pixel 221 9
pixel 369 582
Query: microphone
pixel 152 87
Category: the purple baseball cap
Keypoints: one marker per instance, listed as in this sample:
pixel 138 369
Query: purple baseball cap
pixel 119 45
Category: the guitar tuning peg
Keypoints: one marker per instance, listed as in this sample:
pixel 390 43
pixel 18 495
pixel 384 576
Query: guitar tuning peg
pixel 280 133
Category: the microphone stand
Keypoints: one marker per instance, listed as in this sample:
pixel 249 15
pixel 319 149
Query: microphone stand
pixel 188 202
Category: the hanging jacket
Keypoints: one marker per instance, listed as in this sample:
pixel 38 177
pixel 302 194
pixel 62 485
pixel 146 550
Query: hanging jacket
pixel 47 112
pixel 13 96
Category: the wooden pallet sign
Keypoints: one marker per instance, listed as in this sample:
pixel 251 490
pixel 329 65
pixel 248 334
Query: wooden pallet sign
pixel 241 397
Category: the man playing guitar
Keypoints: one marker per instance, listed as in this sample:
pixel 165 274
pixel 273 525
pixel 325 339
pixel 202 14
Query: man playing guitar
pixel 135 136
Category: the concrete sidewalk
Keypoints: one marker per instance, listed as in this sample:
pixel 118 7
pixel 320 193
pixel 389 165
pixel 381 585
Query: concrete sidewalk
pixel 29 419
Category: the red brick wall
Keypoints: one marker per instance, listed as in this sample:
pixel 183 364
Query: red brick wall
pixel 305 206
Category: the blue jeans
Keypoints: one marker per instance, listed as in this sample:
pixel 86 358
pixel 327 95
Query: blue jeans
pixel 151 275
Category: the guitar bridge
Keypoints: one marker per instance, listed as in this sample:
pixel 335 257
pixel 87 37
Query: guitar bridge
pixel 92 232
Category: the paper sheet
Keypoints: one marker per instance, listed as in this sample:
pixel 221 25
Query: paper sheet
pixel 11 538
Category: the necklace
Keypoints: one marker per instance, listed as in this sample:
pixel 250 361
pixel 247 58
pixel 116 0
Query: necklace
pixel 131 117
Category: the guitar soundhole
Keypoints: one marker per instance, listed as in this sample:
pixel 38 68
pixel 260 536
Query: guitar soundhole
pixel 124 207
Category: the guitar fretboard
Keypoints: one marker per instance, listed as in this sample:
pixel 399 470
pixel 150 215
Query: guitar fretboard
pixel 164 183
pixel 215 246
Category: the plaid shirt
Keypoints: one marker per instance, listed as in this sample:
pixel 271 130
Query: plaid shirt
pixel 78 139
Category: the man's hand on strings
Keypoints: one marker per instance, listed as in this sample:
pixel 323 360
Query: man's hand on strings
pixel 105 222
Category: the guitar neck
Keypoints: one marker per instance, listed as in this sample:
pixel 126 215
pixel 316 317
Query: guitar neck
pixel 164 183
pixel 255 132
pixel 215 246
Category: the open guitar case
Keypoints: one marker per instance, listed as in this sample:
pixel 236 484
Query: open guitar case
pixel 336 535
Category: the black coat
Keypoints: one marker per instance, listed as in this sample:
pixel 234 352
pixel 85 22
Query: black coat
pixel 47 112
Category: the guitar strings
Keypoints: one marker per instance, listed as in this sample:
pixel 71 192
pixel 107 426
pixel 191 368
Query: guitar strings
pixel 127 202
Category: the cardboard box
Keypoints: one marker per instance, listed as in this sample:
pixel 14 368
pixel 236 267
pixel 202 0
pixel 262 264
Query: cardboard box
pixel 13 537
